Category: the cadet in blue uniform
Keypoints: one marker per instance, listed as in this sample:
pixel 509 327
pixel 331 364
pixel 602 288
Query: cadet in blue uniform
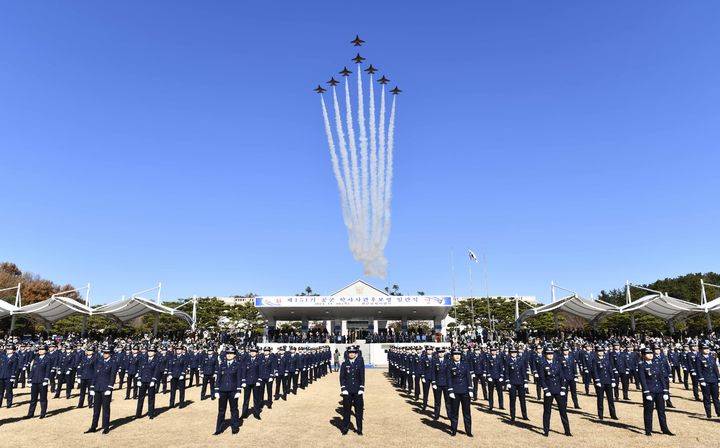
pixel 281 374
pixel 655 386
pixel 552 376
pixel 150 368
pixel 227 390
pixel 459 388
pixel 177 367
pixel 268 372
pixel 292 368
pixel 208 366
pixel 86 373
pixel 517 382
pixel 495 370
pixel 707 374
pixel 103 383
pixel 352 388
pixel 130 363
pixel 604 376
pixel 39 376
pixel 568 359
pixel 250 374
pixel 9 369
pixel 439 380
pixel 691 361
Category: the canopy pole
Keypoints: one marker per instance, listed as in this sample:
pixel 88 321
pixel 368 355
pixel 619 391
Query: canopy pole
pixel 193 327
pixel 155 327
pixel 12 324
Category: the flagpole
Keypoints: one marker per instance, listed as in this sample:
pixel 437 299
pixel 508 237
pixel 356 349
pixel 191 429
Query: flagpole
pixel 452 267
pixel 472 300
pixel 487 291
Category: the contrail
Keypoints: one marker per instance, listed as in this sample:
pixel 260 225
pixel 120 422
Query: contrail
pixel 336 167
pixel 375 215
pixel 353 157
pixel 381 169
pixel 346 166
pixel 364 195
pixel 389 170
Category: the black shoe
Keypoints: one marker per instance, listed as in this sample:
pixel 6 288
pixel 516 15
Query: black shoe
pixel 151 416
pixel 647 433
pixel 344 432
pixel 545 433
pixel 668 433
pixel 235 431
pixel 614 417
pixel 452 433
pixel 91 430
pixel 469 434
pixel 569 434
pixel 600 417
pixel 502 408
pixel 217 433
pixel 257 416
pixel 359 433
pixel 42 416
pixel 106 431
pixel 670 406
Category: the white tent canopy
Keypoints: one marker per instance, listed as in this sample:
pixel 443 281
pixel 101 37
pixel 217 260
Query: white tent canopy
pixel 126 310
pixel 662 306
pixel 7 309
pixel 591 310
pixel 53 309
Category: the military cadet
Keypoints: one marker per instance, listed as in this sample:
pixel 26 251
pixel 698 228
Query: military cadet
pixel 655 387
pixel 684 366
pixel 227 390
pixel 459 390
pixel 426 373
pixel 706 367
pixel 623 367
pixel 604 376
pixel 633 363
pixel 103 382
pixel 478 375
pixel 535 359
pixel 660 357
pixel 586 357
pixel 352 388
pixel 281 374
pixel 9 369
pixel 674 358
pixel 293 368
pixel 86 373
pixel 164 358
pixel 439 380
pixel 691 362
pixel 177 367
pixel 517 382
pixel 208 366
pixel 130 363
pixel 250 382
pixel 268 372
pixel 495 370
pixel 65 366
pixel 53 356
pixel 122 367
pixel 552 379
pixel 39 377
pixel 568 359
pixel 194 359
pixel 150 368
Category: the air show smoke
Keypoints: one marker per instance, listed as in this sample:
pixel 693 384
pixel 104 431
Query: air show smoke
pixel 363 174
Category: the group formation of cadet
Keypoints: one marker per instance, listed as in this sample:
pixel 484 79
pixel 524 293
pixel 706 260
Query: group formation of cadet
pixel 607 368
pixel 143 371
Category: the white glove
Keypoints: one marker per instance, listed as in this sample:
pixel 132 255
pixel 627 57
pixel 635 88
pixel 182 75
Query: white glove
pixel 413 376
pixel 107 392
pixel 243 385
pixel 693 374
pixel 257 384
pixel 536 375
pixel 562 394
pixel 217 395
pixel 237 395
pixel 527 386
pixel 360 392
pixel 77 380
pixel 202 376
pixel 434 386
pixel 649 398
pixel 344 392
pixel 45 384
pixel 423 380
pixel 613 384
pixel 548 394
pixel 703 384
pixel 92 393
pixel 508 386
pixel 489 380
pixel 285 374
pixel 182 377
pixel 270 380
pixel 452 395
pixel 67 373
pixel 666 397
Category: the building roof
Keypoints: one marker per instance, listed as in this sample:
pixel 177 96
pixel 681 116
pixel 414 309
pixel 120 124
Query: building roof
pixel 577 306
pixel 54 309
pixel 359 288
pixel 662 306
pixel 126 310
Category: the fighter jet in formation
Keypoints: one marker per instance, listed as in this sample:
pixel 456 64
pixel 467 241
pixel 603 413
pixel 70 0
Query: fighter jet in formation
pixel 319 89
pixel 357 41
pixel 371 70
pixel 333 82
pixel 358 59
pixel 395 91
pixel 383 80
pixel 345 72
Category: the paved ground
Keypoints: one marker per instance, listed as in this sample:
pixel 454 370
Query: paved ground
pixel 391 418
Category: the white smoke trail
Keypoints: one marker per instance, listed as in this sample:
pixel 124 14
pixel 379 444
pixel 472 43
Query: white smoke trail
pixel 346 169
pixel 389 171
pixel 353 159
pixel 381 170
pixel 374 200
pixel 364 194
pixel 336 167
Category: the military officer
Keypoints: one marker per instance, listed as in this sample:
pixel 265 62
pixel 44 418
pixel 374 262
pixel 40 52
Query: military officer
pixel 568 359
pixel 517 382
pixel 227 390
pixel 426 373
pixel 9 369
pixel 459 390
pixel 655 387
pixel 39 376
pixel 150 368
pixel 706 366
pixel 130 363
pixel 251 384
pixel 177 368
pixel 691 361
pixel 85 375
pixel 352 388
pixel 103 382
pixel 208 366
pixel 604 376
pixel 268 372
pixel 554 386
pixel 495 370
pixel 439 381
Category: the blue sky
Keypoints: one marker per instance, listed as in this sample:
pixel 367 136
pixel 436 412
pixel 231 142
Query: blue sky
pixel 180 142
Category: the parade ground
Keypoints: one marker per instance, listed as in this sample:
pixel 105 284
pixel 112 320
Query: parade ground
pixel 391 419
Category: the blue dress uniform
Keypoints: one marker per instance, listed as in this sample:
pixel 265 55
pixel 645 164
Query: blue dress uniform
pixel 268 371
pixel 250 374
pixel 552 376
pixel 495 370
pixel 130 363
pixel 568 359
pixel 517 382
pixel 150 368
pixel 426 373
pixel 691 362
pixel 352 388
pixel 623 367
pixel 478 374
pixel 655 386
pixel 604 376
pixel 122 366
pixel 39 377
pixel 535 359
pixel 707 373
pixel 208 366
pixel 227 390
pixel 9 369
pixel 86 373
pixel 586 357
pixel 177 368
pixel 54 356
pixel 105 369
pixel 66 365
pixel 281 374
pixel 292 368
pixel 194 360
pixel 459 390
pixel 439 380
